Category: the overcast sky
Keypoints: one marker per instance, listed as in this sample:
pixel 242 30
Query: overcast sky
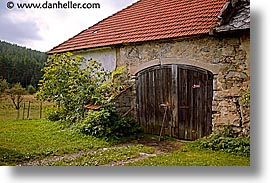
pixel 42 29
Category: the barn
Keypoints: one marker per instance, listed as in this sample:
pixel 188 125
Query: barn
pixel 189 62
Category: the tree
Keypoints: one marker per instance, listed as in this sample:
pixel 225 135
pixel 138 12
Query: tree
pixel 16 94
pixel 3 85
pixel 20 65
pixel 72 81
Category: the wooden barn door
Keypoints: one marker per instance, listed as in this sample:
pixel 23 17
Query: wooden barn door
pixel 176 98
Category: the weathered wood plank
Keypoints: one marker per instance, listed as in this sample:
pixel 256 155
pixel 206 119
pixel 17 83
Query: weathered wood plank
pixel 174 101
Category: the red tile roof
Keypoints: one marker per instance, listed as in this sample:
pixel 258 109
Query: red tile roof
pixel 147 20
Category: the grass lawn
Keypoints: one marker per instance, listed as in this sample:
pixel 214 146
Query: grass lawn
pixel 191 157
pixel 28 140
pixel 25 140
pixel 186 156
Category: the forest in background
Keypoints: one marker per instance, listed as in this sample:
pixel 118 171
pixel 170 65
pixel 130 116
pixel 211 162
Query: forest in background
pixel 20 65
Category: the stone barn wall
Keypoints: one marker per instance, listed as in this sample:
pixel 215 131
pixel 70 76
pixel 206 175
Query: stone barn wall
pixel 227 57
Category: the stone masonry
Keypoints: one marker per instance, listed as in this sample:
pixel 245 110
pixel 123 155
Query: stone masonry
pixel 226 56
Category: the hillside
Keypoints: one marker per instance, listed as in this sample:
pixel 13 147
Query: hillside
pixel 20 64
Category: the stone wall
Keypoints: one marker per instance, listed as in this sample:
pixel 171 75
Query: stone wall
pixel 126 102
pixel 227 57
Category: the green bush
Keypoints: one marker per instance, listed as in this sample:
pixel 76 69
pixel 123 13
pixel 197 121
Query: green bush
pixel 107 124
pixel 96 123
pixel 31 89
pixel 125 127
pixel 53 113
pixel 217 142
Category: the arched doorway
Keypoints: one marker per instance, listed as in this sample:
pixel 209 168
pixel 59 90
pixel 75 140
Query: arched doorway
pixel 175 99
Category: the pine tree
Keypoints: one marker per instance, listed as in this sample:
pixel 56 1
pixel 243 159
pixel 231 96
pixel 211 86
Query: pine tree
pixel 21 65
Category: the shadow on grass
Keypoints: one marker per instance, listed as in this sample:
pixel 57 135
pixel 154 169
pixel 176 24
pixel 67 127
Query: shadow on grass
pixel 10 157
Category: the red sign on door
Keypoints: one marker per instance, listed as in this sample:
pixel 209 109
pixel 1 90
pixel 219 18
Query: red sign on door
pixel 196 86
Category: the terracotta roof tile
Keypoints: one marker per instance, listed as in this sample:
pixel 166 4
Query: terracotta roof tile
pixel 147 20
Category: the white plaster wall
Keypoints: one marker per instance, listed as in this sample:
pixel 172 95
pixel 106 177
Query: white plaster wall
pixel 106 56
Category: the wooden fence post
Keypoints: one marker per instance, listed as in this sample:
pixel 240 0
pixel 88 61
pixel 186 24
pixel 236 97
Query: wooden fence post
pixel 40 111
pixel 28 115
pixel 24 110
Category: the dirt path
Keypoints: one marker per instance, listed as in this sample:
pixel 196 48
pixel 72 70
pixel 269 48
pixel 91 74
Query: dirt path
pixel 59 158
pixel 160 147
pixel 163 146
pixel 141 156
